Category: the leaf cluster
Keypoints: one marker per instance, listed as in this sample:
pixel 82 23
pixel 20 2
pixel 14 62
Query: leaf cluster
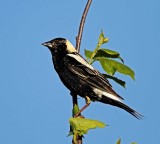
pixel 110 60
pixel 80 125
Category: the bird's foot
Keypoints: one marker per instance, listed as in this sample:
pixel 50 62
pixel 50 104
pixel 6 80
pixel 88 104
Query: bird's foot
pixel 88 101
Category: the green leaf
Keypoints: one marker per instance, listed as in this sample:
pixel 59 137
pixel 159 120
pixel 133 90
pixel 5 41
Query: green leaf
pixel 103 53
pixel 108 53
pixel 119 141
pixel 75 110
pixel 121 82
pixel 102 39
pixel 88 53
pixel 80 126
pixel 112 66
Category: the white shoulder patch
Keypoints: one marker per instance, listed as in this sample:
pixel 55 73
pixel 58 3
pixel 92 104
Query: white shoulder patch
pixel 70 47
pixel 81 60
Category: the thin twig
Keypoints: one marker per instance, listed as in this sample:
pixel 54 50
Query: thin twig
pixel 82 109
pixel 79 37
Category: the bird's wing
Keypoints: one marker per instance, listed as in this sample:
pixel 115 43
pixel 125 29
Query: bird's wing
pixel 77 65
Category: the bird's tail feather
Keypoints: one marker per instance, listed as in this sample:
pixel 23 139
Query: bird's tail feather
pixel 119 104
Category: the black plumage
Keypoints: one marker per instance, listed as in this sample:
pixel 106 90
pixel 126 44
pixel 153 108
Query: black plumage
pixel 81 78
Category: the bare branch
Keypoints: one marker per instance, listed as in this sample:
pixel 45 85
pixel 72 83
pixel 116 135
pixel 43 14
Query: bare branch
pixel 79 37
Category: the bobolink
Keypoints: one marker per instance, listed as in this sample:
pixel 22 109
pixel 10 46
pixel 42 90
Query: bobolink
pixel 81 78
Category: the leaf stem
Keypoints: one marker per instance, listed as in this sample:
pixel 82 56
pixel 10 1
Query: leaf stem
pixel 94 53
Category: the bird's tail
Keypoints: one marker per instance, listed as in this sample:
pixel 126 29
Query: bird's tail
pixel 119 104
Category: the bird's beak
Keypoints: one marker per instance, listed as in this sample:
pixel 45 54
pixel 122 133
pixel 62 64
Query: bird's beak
pixel 47 44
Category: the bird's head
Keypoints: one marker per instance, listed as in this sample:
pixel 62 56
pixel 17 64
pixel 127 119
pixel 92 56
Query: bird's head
pixel 59 46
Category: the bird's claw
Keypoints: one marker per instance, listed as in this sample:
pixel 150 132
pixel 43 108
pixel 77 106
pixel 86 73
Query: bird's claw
pixel 88 100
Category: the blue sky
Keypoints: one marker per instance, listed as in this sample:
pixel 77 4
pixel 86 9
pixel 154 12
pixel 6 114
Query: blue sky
pixel 34 104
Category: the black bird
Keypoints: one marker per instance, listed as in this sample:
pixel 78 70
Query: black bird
pixel 81 78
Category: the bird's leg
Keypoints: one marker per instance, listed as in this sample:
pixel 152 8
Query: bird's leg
pixel 88 101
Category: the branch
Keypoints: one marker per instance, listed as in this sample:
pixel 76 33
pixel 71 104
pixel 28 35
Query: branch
pixel 79 37
pixel 78 43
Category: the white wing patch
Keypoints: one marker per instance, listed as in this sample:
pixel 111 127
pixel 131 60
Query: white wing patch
pixel 100 93
pixel 81 60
